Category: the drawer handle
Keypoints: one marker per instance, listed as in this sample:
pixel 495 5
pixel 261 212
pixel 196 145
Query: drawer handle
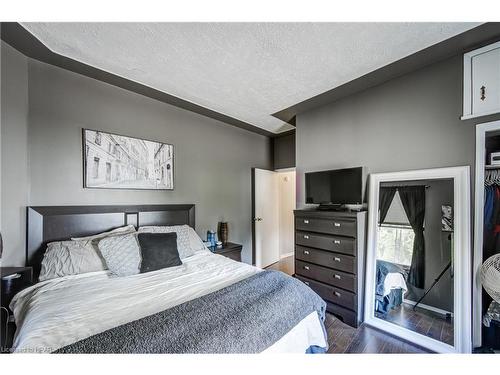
pixel 337 294
pixel 336 259
pixel 482 91
pixel 336 224
pixel 306 221
pixel 306 236
pixel 306 252
pixel 306 268
pixel 337 276
pixel 336 242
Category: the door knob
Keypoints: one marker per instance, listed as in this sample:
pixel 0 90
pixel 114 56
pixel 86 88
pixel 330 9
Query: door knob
pixel 257 219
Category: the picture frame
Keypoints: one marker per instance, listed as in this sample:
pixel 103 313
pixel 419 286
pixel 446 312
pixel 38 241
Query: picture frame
pixel 446 218
pixel 114 161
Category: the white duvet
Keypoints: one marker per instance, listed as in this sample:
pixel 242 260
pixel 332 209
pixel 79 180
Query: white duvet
pixel 394 280
pixel 55 313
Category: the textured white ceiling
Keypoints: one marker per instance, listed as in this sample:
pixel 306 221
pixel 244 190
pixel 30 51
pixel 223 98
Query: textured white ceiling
pixel 244 70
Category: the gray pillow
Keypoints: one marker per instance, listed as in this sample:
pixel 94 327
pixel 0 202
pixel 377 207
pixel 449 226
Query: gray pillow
pixel 158 250
pixel 122 254
pixel 183 237
pixel 65 258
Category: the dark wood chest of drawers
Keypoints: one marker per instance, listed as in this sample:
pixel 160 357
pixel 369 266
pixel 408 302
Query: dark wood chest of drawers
pixel 330 258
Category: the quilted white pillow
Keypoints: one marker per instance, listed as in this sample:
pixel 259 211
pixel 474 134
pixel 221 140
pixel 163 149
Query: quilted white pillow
pixel 122 230
pixel 195 241
pixel 183 237
pixel 65 258
pixel 122 254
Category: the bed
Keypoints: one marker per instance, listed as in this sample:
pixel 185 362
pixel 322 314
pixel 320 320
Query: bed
pixel 209 304
pixel 390 287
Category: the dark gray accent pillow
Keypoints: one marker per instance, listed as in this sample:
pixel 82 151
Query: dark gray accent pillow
pixel 158 250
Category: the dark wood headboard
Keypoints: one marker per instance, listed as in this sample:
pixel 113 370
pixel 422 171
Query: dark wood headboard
pixel 57 223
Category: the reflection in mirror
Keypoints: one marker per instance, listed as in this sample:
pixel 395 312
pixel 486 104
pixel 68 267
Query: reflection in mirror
pixel 414 270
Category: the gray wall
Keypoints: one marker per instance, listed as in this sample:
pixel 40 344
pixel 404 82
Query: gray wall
pixel 437 245
pixel 284 151
pixel 411 122
pixel 14 154
pixel 213 160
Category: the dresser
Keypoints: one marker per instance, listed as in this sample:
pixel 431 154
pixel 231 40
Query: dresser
pixel 330 259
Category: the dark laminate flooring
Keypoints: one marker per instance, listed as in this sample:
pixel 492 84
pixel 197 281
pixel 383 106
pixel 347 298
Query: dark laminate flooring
pixel 422 321
pixel 346 339
pixel 285 265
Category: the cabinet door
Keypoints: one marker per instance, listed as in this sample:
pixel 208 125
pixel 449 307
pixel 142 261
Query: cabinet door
pixel 486 82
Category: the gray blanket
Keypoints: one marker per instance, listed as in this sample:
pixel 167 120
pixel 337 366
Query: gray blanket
pixel 246 317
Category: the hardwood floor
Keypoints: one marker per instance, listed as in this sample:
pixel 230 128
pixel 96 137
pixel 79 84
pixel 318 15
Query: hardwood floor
pixel 346 339
pixel 364 339
pixel 285 265
pixel 422 321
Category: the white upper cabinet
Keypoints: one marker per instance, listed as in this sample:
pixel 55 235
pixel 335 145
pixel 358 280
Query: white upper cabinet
pixel 482 82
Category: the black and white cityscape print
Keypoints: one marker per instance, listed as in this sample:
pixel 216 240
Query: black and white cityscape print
pixel 118 162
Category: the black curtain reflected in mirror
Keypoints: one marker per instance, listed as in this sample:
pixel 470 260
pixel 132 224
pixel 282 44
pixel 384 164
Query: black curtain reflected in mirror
pixel 413 200
pixel 386 195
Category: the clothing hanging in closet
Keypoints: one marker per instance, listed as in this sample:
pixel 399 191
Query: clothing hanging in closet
pixel 491 213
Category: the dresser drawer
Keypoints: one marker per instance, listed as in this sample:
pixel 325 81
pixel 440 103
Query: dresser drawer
pixel 337 244
pixel 341 227
pixel 326 275
pixel 332 294
pixel 338 261
pixel 347 316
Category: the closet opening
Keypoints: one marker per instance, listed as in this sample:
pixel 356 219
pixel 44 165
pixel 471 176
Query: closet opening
pixel 486 310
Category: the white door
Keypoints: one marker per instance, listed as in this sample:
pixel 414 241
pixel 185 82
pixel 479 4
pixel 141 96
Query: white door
pixel 266 219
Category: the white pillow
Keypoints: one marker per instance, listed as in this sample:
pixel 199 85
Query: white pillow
pixel 183 237
pixel 121 230
pixel 65 258
pixel 195 241
pixel 122 254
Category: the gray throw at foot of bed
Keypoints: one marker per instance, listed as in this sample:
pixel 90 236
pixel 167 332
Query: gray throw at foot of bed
pixel 246 317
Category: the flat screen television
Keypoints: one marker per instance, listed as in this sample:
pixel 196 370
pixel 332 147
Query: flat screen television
pixel 335 187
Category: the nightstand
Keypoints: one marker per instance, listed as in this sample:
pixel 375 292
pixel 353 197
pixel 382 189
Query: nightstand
pixel 229 250
pixel 13 280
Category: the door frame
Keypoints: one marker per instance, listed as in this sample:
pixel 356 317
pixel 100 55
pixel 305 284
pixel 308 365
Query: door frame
pixel 253 215
pixel 477 290
pixel 462 276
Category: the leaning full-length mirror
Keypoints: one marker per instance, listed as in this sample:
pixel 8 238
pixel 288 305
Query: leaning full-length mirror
pixel 413 247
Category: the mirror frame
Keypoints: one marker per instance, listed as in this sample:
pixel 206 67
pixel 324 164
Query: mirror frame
pixel 462 314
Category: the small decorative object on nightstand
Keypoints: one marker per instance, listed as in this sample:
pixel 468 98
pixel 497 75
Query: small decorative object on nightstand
pixel 13 280
pixel 211 238
pixel 223 232
pixel 229 250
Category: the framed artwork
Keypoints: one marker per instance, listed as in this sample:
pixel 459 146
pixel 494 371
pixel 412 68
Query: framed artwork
pixel 446 218
pixel 112 161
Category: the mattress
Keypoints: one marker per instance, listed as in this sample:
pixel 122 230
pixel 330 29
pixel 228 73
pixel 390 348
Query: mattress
pixel 58 312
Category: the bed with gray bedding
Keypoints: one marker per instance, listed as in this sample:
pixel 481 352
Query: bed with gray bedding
pixel 245 317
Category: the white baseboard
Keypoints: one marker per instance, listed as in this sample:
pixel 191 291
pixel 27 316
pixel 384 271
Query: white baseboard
pixel 286 255
pixel 427 307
